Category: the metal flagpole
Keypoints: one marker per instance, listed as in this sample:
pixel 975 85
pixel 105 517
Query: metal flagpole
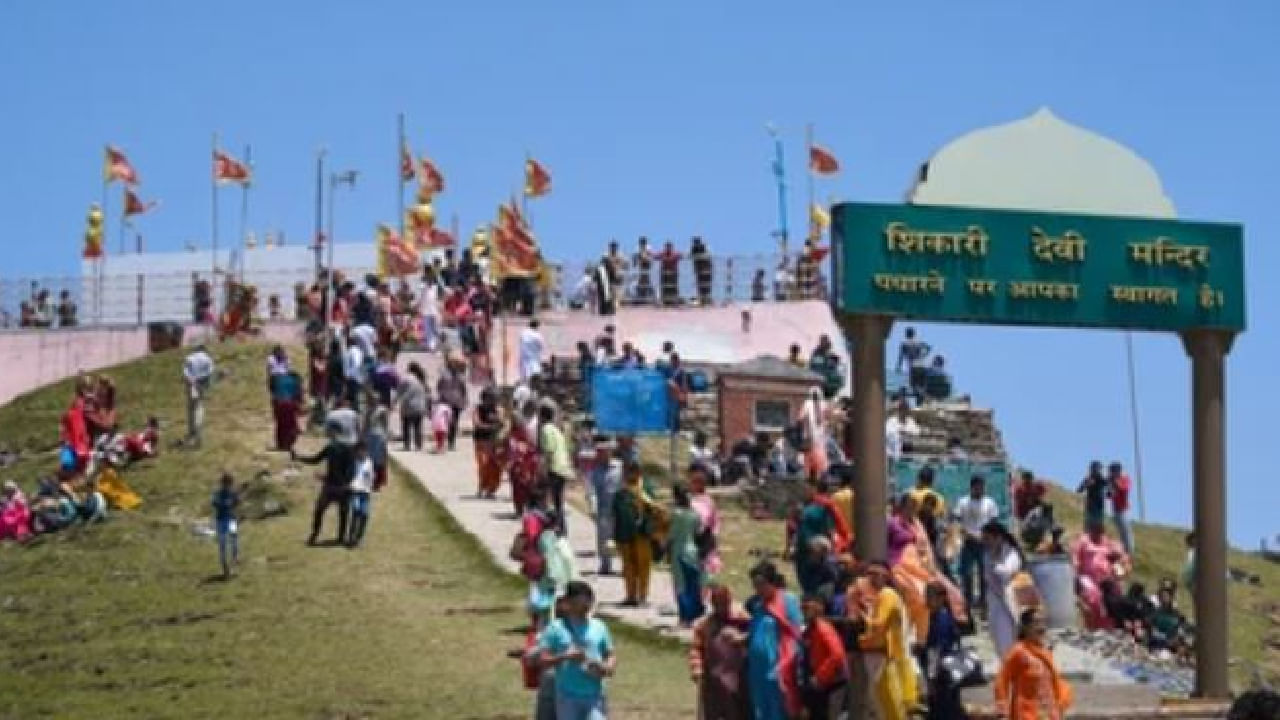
pixel 808 143
pixel 102 257
pixel 780 173
pixel 213 232
pixel 244 200
pixel 1133 414
pixel 400 171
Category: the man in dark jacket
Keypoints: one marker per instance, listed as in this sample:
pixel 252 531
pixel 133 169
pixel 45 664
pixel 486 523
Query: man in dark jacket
pixel 340 465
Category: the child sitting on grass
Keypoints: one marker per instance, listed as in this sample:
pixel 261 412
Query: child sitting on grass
pixel 226 500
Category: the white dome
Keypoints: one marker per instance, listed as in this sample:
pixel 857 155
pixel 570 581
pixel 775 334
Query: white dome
pixel 1041 163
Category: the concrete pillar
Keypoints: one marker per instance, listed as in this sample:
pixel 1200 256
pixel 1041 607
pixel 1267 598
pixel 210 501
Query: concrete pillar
pixel 1208 350
pixel 869 333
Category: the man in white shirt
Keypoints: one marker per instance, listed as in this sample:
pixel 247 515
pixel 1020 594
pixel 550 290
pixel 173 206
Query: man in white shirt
pixel 974 512
pixel 899 429
pixel 429 308
pixel 197 373
pixel 353 368
pixel 531 348
pixel 366 336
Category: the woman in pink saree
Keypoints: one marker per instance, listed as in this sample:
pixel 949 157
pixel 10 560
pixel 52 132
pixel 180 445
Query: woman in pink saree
pixel 709 520
pixel 1097 559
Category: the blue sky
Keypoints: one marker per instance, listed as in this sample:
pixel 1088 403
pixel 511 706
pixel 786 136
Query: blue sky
pixel 651 117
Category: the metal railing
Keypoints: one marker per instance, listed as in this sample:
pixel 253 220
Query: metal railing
pixel 131 299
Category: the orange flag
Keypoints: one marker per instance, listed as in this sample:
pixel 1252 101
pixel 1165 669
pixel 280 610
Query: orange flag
pixel 822 161
pixel 228 169
pixel 396 257
pixel 406 163
pixel 430 177
pixel 134 206
pixel 440 239
pixel 117 167
pixel 537 181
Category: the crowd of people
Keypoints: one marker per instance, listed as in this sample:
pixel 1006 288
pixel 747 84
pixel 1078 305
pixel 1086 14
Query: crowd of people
pixel 41 311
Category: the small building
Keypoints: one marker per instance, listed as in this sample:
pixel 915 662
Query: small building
pixel 761 395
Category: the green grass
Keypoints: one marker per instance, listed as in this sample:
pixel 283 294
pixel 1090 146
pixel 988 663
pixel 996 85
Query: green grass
pixel 124 619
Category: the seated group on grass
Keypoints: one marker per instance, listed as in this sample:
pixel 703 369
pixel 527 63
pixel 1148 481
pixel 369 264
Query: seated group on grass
pixel 91 453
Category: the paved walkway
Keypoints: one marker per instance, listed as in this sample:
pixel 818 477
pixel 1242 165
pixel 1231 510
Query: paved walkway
pixel 451 479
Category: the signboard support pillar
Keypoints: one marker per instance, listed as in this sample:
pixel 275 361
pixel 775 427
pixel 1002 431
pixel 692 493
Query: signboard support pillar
pixel 869 333
pixel 1208 350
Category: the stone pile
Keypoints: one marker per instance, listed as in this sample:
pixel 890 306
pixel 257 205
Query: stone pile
pixel 975 427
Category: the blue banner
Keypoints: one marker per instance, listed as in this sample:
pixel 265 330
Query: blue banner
pixel 630 401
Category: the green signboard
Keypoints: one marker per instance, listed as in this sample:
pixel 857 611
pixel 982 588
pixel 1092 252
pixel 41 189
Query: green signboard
pixel 1024 268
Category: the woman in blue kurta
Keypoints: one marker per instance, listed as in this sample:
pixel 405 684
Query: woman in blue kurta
pixel 773 647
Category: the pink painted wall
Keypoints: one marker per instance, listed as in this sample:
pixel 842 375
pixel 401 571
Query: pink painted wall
pixel 713 335
pixel 34 358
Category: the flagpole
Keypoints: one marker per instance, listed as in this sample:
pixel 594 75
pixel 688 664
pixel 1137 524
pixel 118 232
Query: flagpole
pixel 524 195
pixel 400 170
pixel 808 141
pixel 780 173
pixel 213 232
pixel 102 257
pixel 244 198
pixel 1133 414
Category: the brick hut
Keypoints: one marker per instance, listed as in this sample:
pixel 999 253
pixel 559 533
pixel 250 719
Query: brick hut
pixel 761 395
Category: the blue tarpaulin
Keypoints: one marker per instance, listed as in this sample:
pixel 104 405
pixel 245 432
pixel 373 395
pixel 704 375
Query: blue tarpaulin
pixel 630 401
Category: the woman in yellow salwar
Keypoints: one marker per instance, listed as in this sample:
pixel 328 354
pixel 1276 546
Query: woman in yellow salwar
pixel 890 670
pixel 1029 686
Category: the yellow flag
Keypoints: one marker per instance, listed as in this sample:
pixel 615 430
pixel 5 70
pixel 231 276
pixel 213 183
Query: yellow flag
pixel 819 217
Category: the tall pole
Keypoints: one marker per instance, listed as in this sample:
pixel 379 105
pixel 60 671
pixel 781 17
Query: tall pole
pixel 101 259
pixel 142 281
pixel 244 198
pixel 320 238
pixel 1133 415
pixel 780 174
pixel 524 196
pixel 213 233
pixel 400 148
pixel 333 190
pixel 808 145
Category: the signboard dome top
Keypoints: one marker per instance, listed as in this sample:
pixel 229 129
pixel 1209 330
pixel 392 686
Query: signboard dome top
pixel 1041 163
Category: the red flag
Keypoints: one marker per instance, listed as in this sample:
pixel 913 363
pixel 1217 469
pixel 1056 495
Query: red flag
pixel 822 161
pixel 406 163
pixel 228 169
pixel 134 206
pixel 440 239
pixel 537 181
pixel 430 177
pixel 515 253
pixel 509 215
pixel 117 167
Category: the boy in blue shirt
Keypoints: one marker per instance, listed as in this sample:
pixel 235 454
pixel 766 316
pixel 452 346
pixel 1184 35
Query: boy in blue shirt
pixel 580 648
pixel 226 500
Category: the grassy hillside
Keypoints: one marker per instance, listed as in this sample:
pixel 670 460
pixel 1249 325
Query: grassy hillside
pixel 1254 609
pixel 124 619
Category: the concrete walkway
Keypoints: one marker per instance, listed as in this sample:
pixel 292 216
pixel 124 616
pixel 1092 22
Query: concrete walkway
pixel 451 479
